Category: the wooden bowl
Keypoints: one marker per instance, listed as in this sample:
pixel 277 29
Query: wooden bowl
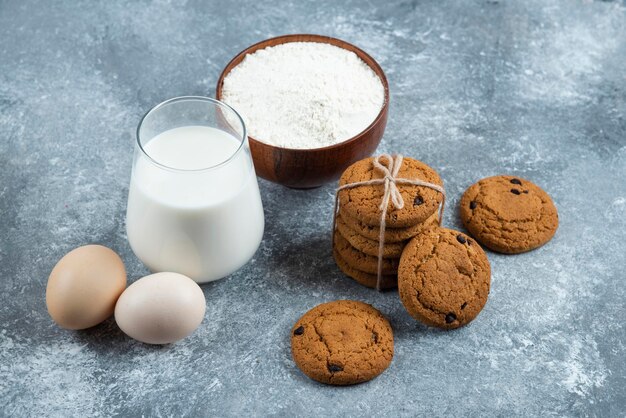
pixel 308 168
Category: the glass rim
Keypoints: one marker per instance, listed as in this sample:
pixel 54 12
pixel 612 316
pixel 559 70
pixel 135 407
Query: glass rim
pixel 217 103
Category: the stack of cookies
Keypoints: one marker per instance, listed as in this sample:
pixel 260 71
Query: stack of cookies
pixel 357 232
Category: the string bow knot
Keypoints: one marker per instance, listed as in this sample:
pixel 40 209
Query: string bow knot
pixel 390 174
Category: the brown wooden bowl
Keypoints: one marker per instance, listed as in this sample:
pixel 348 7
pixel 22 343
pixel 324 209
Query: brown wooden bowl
pixel 308 168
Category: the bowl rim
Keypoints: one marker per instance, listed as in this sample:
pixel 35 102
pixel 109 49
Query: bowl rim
pixel 295 37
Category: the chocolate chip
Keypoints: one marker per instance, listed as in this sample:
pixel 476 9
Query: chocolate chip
pixel 515 191
pixel 516 181
pixel 334 368
pixel 418 200
pixel 525 191
pixel 464 305
pixel 299 330
pixel 461 239
pixel 473 205
pixel 450 318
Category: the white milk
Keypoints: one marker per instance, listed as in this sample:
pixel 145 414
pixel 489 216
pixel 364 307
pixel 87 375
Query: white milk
pixel 205 224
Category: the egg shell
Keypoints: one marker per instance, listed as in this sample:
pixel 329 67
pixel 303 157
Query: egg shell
pixel 84 286
pixel 160 308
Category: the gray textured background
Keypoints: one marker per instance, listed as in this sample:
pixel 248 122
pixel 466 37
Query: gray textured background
pixel 534 88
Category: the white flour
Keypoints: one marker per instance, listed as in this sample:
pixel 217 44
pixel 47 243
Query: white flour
pixel 304 94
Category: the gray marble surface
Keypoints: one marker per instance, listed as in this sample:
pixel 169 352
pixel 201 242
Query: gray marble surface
pixel 534 88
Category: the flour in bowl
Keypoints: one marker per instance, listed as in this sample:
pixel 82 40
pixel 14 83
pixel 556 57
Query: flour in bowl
pixel 304 94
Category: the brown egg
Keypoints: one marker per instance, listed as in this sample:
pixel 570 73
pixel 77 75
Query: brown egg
pixel 84 286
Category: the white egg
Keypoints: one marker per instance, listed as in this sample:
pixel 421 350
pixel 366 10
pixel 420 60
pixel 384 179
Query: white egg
pixel 160 308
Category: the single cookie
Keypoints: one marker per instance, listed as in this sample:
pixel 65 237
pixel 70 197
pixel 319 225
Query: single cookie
pixel 342 343
pixel 509 214
pixel 361 261
pixel 443 278
pixel 363 202
pixel 387 281
pixel 391 234
pixel 366 245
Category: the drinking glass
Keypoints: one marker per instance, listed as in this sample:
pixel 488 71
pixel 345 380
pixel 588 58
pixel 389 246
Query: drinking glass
pixel 194 205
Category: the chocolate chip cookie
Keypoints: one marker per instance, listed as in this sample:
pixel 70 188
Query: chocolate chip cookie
pixel 509 214
pixel 342 343
pixel 363 202
pixel 361 261
pixel 366 245
pixel 391 234
pixel 387 281
pixel 443 278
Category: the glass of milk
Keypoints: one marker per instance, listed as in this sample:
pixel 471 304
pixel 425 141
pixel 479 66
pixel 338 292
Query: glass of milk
pixel 193 204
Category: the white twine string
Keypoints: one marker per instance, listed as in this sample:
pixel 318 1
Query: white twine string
pixel 391 193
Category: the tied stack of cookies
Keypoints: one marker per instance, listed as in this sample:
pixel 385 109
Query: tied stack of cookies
pixel 359 215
